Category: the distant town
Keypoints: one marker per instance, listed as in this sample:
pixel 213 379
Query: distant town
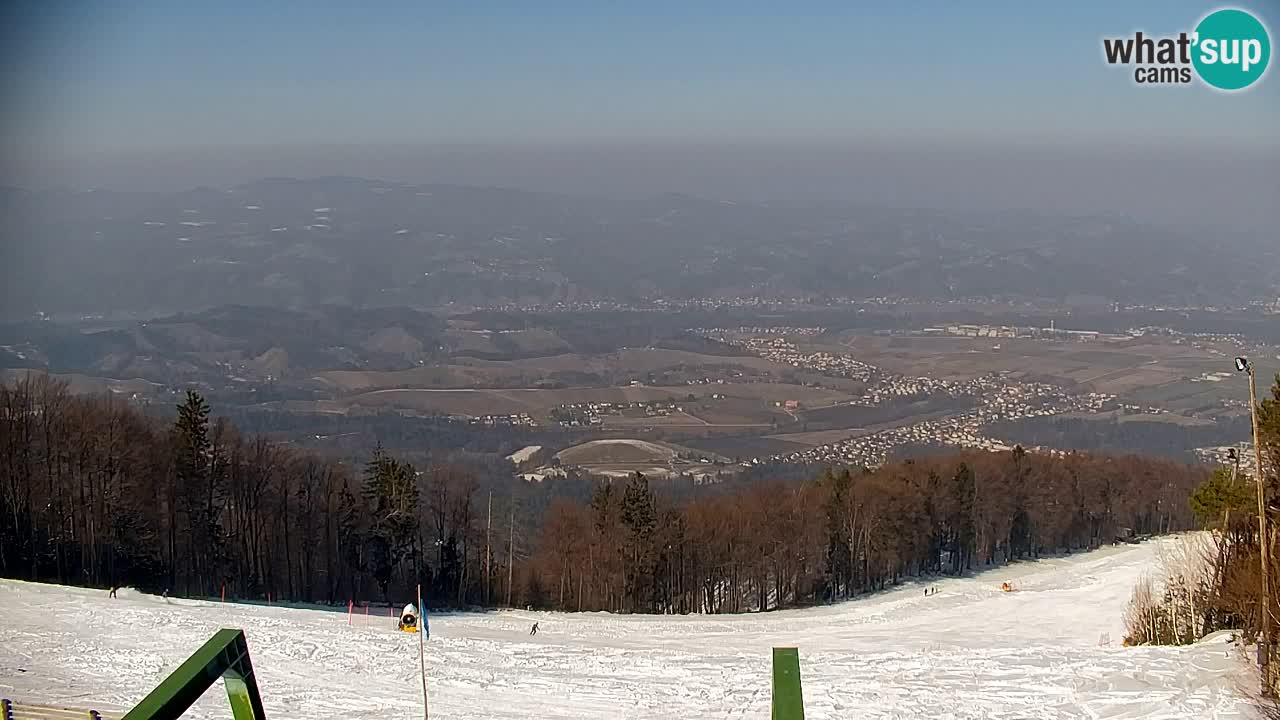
pixel 1000 397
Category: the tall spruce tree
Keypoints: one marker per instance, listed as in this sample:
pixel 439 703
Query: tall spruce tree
pixel 1224 492
pixel 641 521
pixel 1269 434
pixel 391 496
pixel 963 525
pixel 839 526
pixel 195 492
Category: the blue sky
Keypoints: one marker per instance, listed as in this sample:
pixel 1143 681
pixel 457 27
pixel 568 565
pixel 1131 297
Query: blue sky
pixel 100 76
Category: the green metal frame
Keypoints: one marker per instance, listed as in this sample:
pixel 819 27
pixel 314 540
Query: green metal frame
pixel 225 656
pixel 788 698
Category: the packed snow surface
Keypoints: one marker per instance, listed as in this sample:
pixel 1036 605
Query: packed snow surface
pixel 524 453
pixel 968 651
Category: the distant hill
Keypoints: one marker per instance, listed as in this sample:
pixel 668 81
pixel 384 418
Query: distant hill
pixel 253 343
pixel 331 346
pixel 291 243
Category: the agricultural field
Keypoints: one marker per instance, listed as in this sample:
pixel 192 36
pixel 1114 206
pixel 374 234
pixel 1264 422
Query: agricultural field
pixel 569 369
pixel 623 451
pixel 859 416
pixel 550 382
pixel 744 446
pixel 87 384
pixel 625 456
pixel 1139 370
pixel 750 403
pixel 489 343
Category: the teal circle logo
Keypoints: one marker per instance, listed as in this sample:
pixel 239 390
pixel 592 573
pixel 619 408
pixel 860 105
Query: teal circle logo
pixel 1232 49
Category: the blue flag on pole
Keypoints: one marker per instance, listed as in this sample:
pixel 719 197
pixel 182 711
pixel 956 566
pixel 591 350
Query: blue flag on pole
pixel 422 610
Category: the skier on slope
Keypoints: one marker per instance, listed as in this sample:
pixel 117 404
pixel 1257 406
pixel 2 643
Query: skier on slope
pixel 534 629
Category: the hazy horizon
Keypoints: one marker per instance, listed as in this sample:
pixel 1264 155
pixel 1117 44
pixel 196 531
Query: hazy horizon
pixel 991 106
pixel 1233 188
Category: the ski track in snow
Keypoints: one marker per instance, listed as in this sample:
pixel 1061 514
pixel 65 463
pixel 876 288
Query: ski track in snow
pixel 969 651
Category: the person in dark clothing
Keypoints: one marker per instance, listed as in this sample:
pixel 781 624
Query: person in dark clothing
pixel 112 592
pixel 534 630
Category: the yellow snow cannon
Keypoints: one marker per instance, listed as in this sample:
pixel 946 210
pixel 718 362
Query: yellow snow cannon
pixel 409 619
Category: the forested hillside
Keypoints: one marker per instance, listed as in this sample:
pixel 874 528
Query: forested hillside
pixel 96 493
pixel 1216 582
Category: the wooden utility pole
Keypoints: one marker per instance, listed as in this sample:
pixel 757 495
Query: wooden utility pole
pixel 1264 538
pixel 488 553
pixel 511 550
pixel 422 653
pixel 1220 567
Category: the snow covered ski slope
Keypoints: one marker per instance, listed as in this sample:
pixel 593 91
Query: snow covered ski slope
pixel 969 651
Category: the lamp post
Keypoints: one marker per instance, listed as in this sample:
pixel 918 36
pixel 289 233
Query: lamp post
pixel 1264 644
pixel 1233 456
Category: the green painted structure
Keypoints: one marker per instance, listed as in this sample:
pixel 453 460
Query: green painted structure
pixel 225 656
pixel 788 698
